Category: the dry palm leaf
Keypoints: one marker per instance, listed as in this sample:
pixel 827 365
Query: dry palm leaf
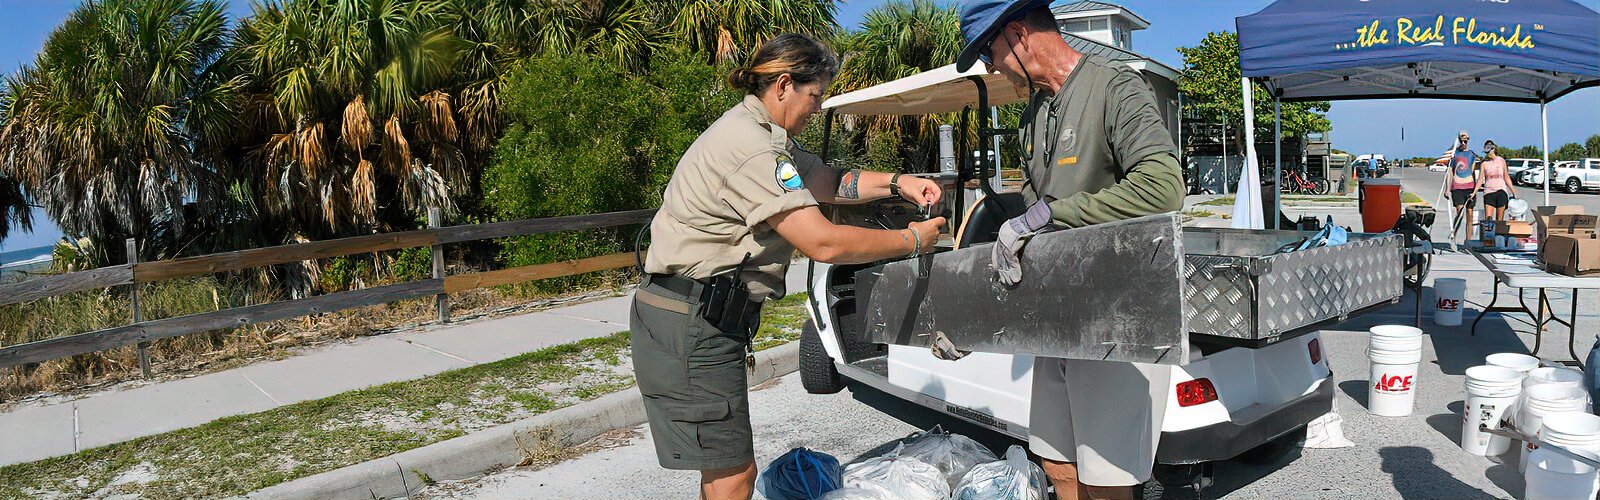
pixel 356 130
pixel 396 150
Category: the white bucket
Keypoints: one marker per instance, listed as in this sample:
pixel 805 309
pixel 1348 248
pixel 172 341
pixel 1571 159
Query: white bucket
pixel 1491 390
pixel 1541 400
pixel 1394 351
pixel 1519 362
pixel 1394 338
pixel 1558 375
pixel 1554 476
pixel 1448 295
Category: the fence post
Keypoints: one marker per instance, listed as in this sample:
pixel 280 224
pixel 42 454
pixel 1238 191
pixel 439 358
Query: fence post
pixel 144 347
pixel 442 300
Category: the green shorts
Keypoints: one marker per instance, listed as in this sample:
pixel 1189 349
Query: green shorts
pixel 693 379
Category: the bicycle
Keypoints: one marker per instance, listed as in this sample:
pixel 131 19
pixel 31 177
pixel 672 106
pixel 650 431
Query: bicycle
pixel 1294 183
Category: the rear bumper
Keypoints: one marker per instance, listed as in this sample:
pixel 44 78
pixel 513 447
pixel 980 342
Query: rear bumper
pixel 1226 440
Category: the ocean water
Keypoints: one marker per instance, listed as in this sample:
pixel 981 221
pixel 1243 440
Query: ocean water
pixel 25 255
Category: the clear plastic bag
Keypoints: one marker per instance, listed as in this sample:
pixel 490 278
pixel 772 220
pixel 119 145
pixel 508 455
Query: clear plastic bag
pixel 800 474
pixel 857 494
pixel 898 477
pixel 1014 478
pixel 953 454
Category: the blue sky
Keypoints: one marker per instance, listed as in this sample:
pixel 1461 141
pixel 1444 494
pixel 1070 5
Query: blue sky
pixel 1359 126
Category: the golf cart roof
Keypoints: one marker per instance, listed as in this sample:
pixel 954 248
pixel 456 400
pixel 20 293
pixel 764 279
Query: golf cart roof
pixel 939 90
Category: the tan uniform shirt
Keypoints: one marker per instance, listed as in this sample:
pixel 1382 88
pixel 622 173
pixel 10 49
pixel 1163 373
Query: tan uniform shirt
pixel 736 175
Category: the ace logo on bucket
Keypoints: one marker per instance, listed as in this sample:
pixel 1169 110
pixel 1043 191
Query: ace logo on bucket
pixel 1393 383
pixel 1448 304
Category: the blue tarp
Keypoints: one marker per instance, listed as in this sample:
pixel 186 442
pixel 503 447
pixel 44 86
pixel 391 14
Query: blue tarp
pixel 1502 50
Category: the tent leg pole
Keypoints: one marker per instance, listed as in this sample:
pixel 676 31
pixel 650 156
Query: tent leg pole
pixel 1277 163
pixel 1227 176
pixel 1544 132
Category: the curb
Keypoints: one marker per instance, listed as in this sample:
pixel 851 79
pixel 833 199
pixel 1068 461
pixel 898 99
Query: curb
pixel 395 476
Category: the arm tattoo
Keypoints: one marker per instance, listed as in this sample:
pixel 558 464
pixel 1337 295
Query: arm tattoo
pixel 848 185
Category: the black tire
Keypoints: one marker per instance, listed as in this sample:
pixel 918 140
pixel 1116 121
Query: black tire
pixel 1176 482
pixel 1574 185
pixel 817 374
pixel 1322 187
pixel 1271 451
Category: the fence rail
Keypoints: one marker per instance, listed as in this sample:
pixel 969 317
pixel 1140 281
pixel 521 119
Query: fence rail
pixel 145 272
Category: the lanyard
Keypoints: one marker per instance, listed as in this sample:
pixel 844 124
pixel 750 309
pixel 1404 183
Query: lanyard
pixel 1051 126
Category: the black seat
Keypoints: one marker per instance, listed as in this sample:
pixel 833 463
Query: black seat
pixel 983 223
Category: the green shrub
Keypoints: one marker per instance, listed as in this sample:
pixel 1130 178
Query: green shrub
pixel 588 137
pixel 412 264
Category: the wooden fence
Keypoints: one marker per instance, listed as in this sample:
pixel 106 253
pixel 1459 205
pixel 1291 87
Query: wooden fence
pixel 142 332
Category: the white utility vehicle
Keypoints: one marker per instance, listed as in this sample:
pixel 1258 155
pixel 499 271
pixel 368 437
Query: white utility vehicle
pixel 1232 396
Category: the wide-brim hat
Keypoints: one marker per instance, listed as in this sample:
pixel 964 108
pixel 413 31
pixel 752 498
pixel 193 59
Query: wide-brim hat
pixel 981 20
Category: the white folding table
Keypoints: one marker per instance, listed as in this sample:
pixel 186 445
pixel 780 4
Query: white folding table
pixel 1519 270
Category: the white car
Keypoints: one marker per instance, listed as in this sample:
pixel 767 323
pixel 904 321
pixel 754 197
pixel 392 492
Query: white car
pixel 1575 176
pixel 1536 177
pixel 1438 167
pixel 1516 166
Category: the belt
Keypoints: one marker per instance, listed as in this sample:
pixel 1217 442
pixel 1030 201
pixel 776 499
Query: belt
pixel 670 293
pixel 688 290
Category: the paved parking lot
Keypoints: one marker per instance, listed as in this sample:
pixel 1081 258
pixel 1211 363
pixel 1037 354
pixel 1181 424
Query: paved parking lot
pixel 1409 457
pixel 1426 184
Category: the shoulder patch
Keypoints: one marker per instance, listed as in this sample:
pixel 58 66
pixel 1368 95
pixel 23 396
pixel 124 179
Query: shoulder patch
pixel 787 175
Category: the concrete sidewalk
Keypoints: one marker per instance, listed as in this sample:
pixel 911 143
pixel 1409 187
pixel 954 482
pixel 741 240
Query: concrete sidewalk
pixel 42 430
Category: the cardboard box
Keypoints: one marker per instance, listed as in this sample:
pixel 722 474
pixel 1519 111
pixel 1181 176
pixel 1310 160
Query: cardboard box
pixel 1516 228
pixel 1572 224
pixel 1542 216
pixel 1571 254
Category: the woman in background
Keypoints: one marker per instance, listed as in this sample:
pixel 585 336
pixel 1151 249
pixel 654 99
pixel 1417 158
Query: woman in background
pixel 1497 187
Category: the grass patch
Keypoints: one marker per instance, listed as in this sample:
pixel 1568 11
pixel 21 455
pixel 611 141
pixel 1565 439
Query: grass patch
pixel 781 321
pixel 236 455
pixel 1410 197
pixel 1219 202
pixel 1198 213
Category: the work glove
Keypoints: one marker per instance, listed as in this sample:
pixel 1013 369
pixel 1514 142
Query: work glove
pixel 1014 234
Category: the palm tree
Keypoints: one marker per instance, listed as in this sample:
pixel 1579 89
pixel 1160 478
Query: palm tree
pixel 349 118
pixel 14 209
pixel 896 40
pixel 100 130
pixel 727 30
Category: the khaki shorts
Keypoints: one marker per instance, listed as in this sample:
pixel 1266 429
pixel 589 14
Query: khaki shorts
pixel 693 379
pixel 1105 416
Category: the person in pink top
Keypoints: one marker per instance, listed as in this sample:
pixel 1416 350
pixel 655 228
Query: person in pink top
pixel 1497 190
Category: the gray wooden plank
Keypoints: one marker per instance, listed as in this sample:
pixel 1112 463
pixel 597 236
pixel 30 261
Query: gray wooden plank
pixel 100 340
pixel 1105 292
pixel 49 286
pixel 146 272
pixel 455 234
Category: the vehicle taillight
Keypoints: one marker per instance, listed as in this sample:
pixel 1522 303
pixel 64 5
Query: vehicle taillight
pixel 1195 392
pixel 1316 350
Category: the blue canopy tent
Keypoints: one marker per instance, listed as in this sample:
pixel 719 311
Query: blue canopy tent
pixel 1531 51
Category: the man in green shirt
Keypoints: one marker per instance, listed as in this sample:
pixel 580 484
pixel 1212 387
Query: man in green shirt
pixel 1097 151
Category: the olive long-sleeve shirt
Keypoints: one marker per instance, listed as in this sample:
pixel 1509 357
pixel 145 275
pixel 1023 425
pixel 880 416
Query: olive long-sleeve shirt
pixel 1100 149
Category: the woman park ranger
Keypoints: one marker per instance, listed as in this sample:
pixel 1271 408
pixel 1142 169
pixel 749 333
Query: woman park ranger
pixel 741 200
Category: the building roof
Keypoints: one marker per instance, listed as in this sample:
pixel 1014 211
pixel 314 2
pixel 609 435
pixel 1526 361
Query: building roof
pixel 1133 59
pixel 1090 8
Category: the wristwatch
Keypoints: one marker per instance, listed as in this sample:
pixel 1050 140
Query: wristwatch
pixel 894 185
